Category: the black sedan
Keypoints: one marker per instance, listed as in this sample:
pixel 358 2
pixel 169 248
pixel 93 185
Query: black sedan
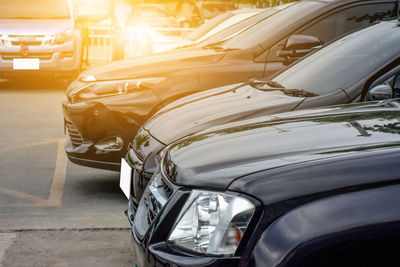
pixel 358 67
pixel 106 106
pixel 315 190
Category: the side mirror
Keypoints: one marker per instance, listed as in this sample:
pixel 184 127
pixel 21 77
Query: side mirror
pixel 380 92
pixel 302 42
pixel 298 46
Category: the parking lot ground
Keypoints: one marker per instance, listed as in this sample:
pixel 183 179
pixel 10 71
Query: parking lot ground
pixel 52 212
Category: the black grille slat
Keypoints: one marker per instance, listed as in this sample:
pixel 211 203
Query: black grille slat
pixel 74 135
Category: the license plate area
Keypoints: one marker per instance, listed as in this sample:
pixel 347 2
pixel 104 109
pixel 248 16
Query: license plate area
pixel 125 180
pixel 26 64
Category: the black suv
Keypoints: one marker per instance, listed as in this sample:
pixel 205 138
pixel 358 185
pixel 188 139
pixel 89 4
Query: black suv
pixel 319 189
pixel 106 106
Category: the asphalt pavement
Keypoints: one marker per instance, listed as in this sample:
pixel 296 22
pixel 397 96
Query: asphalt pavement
pixel 53 212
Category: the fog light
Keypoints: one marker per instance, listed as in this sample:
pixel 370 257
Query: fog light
pixel 108 144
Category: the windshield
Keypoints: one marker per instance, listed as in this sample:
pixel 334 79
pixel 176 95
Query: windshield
pixel 346 61
pixel 206 27
pixel 263 30
pixel 238 27
pixel 226 23
pixel 34 9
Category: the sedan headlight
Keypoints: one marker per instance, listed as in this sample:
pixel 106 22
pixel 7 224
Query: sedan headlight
pixel 212 223
pixel 108 88
pixel 65 36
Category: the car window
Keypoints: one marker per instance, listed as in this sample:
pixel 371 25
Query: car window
pixel 238 27
pixel 280 21
pixel 207 26
pixel 358 54
pixel 341 23
pixel 225 24
pixel 349 20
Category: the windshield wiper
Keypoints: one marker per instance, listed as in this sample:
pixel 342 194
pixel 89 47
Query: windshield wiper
pixel 269 86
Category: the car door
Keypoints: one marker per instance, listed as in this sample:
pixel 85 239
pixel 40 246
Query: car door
pixel 331 26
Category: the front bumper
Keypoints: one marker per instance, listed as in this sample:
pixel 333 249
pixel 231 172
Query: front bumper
pixel 88 125
pixel 58 59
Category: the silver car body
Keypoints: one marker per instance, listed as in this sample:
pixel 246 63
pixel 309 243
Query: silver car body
pixel 35 39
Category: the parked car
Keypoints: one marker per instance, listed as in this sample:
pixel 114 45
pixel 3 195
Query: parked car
pixel 39 37
pixel 318 190
pixel 348 70
pixel 107 105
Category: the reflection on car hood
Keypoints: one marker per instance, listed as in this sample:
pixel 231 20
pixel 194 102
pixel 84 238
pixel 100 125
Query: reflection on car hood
pixel 214 107
pixel 34 26
pixel 155 65
pixel 218 158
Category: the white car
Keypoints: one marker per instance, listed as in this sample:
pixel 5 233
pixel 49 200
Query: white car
pixel 39 37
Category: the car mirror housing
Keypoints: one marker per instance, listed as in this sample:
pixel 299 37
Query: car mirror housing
pixel 380 92
pixel 298 46
pixel 302 42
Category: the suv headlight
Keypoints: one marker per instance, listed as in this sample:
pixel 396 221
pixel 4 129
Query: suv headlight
pixel 65 36
pixel 212 223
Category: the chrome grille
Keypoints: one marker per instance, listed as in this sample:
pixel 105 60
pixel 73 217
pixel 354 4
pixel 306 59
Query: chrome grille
pixel 29 40
pixel 153 200
pixel 74 135
pixel 41 56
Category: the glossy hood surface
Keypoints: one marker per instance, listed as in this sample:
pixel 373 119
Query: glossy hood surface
pixel 215 107
pixel 216 159
pixel 155 65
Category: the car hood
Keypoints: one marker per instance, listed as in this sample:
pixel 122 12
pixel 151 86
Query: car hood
pixel 216 159
pixel 155 65
pixel 34 26
pixel 215 107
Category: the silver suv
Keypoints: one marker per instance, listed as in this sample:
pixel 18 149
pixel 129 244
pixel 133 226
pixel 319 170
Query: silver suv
pixel 39 37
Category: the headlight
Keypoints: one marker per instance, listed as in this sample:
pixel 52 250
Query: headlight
pixel 113 87
pixel 212 223
pixel 64 36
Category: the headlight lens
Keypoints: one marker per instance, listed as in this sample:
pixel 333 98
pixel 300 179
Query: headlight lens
pixel 64 36
pixel 212 223
pixel 113 87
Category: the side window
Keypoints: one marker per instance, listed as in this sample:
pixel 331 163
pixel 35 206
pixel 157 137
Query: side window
pixel 341 23
pixel 349 20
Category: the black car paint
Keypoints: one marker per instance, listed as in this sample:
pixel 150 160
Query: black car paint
pixel 186 71
pixel 224 105
pixel 329 186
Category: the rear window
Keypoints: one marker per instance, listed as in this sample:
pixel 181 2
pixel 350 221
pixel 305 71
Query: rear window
pixel 34 9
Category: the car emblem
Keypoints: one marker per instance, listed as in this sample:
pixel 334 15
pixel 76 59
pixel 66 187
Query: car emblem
pixel 24 50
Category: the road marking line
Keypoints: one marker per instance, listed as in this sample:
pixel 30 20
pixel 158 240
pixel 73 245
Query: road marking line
pixel 36 200
pixel 57 187
pixel 6 241
pixel 29 145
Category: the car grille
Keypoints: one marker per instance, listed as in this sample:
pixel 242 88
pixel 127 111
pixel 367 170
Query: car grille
pixel 74 135
pixel 153 200
pixel 41 56
pixel 29 40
